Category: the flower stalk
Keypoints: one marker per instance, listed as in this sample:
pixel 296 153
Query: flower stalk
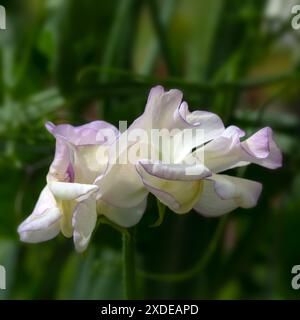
pixel 129 266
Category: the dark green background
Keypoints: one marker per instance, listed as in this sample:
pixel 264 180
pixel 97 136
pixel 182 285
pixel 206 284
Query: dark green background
pixel 76 61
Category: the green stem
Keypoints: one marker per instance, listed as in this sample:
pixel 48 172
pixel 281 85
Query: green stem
pixel 129 267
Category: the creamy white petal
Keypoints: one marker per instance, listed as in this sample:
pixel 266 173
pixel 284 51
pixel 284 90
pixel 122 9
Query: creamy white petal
pixel 36 236
pixel 210 123
pixel 89 162
pixel 160 109
pixel 43 223
pixel 120 185
pixel 222 194
pixel 61 168
pixel 173 171
pixel 125 217
pixel 166 112
pixel 66 207
pixel 179 195
pixel 72 143
pixel 71 191
pixel 84 222
pixel 40 221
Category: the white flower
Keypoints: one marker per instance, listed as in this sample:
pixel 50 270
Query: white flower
pixel 68 201
pixel 124 187
pixel 96 170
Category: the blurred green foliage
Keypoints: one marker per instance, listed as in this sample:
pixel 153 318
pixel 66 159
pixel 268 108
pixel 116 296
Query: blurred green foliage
pixel 76 61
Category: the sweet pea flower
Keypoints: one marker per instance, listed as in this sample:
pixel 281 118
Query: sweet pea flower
pixel 68 201
pixel 98 171
pixel 178 184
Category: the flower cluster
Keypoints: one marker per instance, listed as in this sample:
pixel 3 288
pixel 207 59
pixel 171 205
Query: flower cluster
pixel 98 170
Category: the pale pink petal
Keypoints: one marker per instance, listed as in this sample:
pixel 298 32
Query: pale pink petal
pixel 90 133
pixel 262 148
pixel 227 151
